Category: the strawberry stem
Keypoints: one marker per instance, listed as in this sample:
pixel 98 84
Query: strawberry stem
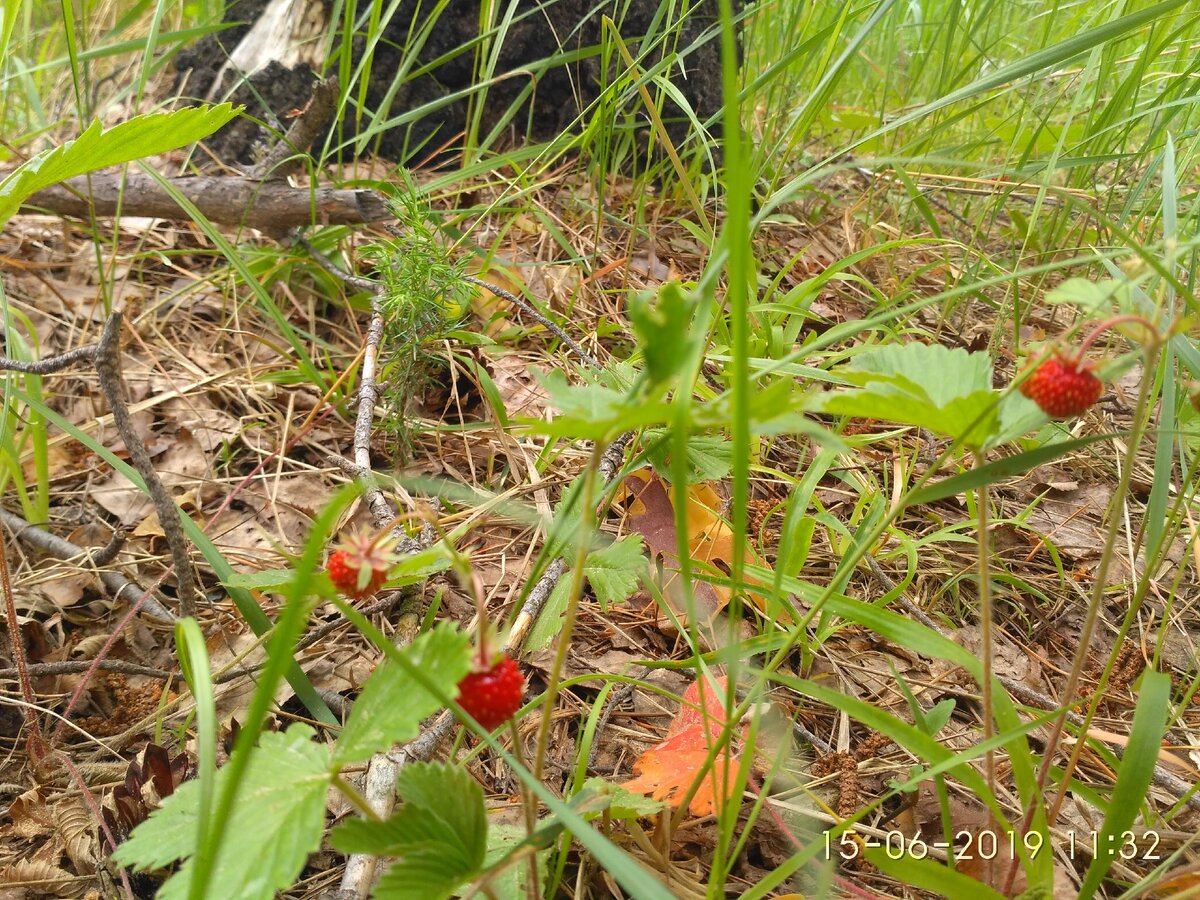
pixel 1108 323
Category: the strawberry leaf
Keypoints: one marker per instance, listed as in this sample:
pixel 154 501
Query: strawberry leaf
pixel 927 385
pixel 275 823
pixel 613 573
pixel 393 703
pixel 439 834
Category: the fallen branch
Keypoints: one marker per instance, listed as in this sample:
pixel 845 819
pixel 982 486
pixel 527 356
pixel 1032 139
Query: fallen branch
pixel 269 206
pixel 261 199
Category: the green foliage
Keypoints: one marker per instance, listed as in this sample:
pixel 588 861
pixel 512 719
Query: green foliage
pixel 511 882
pixel 601 797
pixel 665 326
pixel 439 835
pixel 423 288
pixel 1134 775
pixel 275 824
pixel 596 410
pixel 709 456
pixel 392 705
pixel 947 391
pixel 613 573
pixel 97 148
pixel 412 568
pixel 424 296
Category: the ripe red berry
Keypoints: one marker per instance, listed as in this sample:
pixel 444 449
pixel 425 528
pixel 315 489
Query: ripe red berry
pixel 492 696
pixel 1063 386
pixel 360 565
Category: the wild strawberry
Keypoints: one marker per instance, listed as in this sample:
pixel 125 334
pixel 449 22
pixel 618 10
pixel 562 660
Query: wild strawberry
pixel 360 564
pixel 1063 386
pixel 491 695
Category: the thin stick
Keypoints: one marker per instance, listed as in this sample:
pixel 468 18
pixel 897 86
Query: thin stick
pixel 528 309
pixel 108 367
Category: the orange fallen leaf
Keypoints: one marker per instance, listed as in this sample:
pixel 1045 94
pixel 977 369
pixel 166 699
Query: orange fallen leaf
pixel 667 770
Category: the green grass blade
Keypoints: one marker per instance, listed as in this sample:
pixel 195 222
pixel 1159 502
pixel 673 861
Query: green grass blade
pixel 1133 777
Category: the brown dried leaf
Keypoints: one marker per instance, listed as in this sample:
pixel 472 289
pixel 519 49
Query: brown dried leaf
pixel 29 816
pixel 28 878
pixel 78 834
pixel 709 538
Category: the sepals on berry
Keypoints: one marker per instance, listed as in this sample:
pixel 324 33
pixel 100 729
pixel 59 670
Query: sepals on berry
pixel 360 563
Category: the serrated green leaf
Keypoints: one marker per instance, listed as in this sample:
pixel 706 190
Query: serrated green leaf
pixel 593 411
pixel 662 322
pixel 945 390
pixel 614 571
pixel 97 149
pixel 405 830
pixel 1090 296
pixel 443 804
pixel 451 793
pixel 709 456
pixel 941 372
pixel 618 802
pixel 419 875
pixel 392 704
pixel 276 822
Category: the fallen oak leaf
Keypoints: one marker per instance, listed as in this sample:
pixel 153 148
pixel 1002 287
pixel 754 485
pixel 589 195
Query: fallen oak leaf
pixel 667 770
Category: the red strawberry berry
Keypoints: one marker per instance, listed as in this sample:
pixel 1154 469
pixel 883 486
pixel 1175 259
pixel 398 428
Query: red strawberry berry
pixel 491 696
pixel 1063 386
pixel 360 565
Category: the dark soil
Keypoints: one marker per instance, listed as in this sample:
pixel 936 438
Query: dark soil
pixel 531 98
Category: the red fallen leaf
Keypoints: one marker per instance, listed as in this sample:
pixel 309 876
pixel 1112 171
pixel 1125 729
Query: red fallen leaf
pixel 669 768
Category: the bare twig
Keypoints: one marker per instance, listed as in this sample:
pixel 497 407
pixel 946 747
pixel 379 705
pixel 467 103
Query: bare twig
pixel 529 310
pixel 117 585
pixel 108 366
pixel 50 364
pixel 71 666
pixel 287 156
pixel 102 556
